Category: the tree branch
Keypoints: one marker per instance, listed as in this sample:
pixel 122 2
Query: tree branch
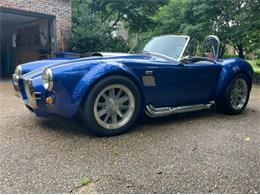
pixel 118 19
pixel 108 15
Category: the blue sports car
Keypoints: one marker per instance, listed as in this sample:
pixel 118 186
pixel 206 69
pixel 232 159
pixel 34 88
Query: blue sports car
pixel 111 90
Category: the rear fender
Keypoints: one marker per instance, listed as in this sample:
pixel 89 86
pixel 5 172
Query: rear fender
pixel 230 69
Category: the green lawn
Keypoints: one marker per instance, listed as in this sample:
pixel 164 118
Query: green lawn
pixel 255 67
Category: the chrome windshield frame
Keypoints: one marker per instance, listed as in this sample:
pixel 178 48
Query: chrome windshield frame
pixel 185 46
pixel 217 49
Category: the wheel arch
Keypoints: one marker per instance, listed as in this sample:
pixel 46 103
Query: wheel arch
pixel 232 67
pixel 109 74
pixel 247 75
pixel 222 85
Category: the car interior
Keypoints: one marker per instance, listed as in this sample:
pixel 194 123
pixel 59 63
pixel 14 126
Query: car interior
pixel 201 53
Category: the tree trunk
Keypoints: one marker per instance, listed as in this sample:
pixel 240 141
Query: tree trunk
pixel 240 51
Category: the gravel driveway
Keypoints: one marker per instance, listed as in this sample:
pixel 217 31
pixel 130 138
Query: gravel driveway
pixel 203 152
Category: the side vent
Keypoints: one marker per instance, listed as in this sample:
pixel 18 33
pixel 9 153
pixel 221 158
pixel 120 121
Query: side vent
pixel 148 79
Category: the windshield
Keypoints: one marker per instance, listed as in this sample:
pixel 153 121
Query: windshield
pixel 169 45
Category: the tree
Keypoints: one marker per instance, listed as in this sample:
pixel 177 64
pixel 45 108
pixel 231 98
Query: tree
pixel 94 21
pixel 90 33
pixel 236 22
pixel 135 12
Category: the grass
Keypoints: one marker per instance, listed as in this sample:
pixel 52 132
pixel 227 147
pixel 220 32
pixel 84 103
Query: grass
pixel 254 65
pixel 256 68
pixel 84 181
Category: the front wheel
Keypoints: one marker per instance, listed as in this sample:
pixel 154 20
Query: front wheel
pixel 235 97
pixel 112 106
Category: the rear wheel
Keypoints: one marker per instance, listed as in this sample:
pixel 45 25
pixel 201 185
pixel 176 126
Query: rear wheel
pixel 235 97
pixel 112 106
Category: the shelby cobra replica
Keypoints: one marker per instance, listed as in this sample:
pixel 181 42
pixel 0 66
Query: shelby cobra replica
pixel 111 90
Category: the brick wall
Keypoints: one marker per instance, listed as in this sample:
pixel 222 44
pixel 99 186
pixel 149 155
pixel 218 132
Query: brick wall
pixel 61 9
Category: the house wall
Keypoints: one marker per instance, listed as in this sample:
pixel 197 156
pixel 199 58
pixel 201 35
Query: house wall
pixel 61 9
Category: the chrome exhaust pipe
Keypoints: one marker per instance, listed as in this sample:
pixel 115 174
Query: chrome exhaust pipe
pixel 165 111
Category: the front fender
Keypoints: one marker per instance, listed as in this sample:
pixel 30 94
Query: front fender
pixel 231 67
pixel 97 73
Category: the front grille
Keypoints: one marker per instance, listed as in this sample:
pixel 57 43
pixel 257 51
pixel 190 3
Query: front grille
pixel 21 89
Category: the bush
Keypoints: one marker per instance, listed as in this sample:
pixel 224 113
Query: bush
pixel 230 55
pixel 90 33
pixel 258 62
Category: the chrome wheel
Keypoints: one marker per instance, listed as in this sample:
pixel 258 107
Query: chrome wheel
pixel 239 92
pixel 114 106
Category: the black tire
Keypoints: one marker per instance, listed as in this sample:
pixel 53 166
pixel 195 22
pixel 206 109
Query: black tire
pixel 223 102
pixel 88 115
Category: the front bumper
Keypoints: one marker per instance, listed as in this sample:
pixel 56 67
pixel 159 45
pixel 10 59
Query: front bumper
pixel 25 90
pixel 32 97
pixel 35 97
pixel 15 79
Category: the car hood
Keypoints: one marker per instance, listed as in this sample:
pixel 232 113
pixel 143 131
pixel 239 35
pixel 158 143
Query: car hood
pixel 28 67
pixel 97 57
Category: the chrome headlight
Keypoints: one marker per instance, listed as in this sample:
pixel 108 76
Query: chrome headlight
pixel 16 76
pixel 47 79
pixel 18 71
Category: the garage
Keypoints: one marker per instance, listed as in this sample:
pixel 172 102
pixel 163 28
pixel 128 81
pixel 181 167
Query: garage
pixel 24 37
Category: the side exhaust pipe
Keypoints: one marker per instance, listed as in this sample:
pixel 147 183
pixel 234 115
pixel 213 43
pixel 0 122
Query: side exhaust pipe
pixel 165 111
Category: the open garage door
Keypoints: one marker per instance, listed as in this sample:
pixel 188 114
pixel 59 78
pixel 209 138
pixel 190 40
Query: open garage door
pixel 24 37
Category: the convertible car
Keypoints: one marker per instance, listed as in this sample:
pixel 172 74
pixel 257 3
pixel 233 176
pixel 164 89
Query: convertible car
pixel 111 90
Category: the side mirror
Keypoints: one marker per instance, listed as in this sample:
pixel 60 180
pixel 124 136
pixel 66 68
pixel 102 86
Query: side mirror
pixel 215 44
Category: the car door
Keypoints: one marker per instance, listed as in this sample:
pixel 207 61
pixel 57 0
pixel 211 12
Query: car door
pixel 194 82
pixel 183 84
pixel 189 81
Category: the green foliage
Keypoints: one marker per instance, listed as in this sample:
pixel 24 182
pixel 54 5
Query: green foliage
pixel 94 22
pixel 135 12
pixel 183 17
pixel 142 40
pixel 230 55
pixel 84 181
pixel 236 22
pixel 256 66
pixel 258 54
pixel 90 33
